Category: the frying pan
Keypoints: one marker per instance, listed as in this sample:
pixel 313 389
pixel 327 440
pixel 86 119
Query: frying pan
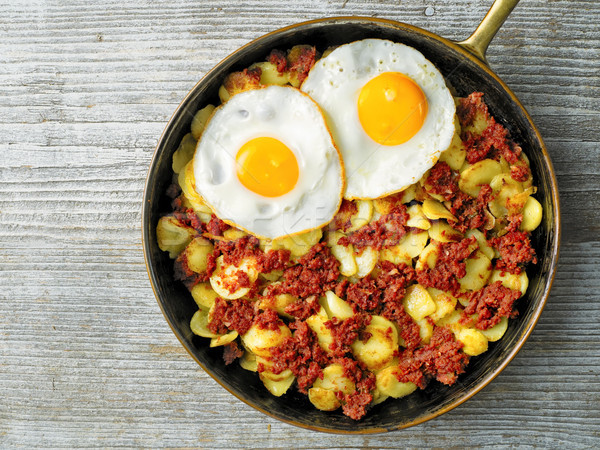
pixel 465 68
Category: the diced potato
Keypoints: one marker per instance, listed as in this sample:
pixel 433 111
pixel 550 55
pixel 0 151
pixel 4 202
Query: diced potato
pixel 267 373
pixel 442 232
pixel 417 302
pixel 277 388
pixel 512 281
pixel 516 203
pixel 435 210
pixel 316 323
pixel 408 194
pixel 480 123
pixel 307 240
pixel 293 56
pixel 532 215
pixel 378 397
pixel 200 120
pixel 366 261
pixel 248 361
pixel 199 324
pixel 428 257
pixel 344 254
pixel 455 155
pixel 485 248
pixel 237 82
pixel 479 269
pixel 187 183
pixel 501 180
pixel 417 218
pixel 269 74
pixel 197 252
pixel 260 341
pixel 232 234
pixel 505 166
pixel 322 393
pixel 335 380
pixel 184 153
pixel 226 275
pixel 172 236
pixel 474 342
pixel 363 214
pixel 224 95
pixel 475 175
pixel 204 295
pixel 272 276
pixel 445 304
pixel 504 189
pixel 379 349
pixel 298 244
pixel 413 243
pixel 278 303
pixel 224 340
pixel 323 399
pixel 425 330
pixel 336 307
pixel 384 205
pixel 395 255
pixel 201 209
pixel 496 332
pixel 387 383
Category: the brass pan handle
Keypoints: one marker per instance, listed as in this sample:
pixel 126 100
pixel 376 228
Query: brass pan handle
pixel 479 41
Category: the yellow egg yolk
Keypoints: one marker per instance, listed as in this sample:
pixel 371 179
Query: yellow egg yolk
pixel 391 108
pixel 267 167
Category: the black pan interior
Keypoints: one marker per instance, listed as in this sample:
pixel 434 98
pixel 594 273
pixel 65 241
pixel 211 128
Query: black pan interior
pixel 465 75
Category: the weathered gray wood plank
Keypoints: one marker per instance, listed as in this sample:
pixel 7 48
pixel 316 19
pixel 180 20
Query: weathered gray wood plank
pixel 86 359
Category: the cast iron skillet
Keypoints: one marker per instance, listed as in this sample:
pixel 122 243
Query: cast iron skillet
pixel 464 66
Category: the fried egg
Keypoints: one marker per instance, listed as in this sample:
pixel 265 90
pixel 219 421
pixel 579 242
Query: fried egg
pixel 266 163
pixel 389 110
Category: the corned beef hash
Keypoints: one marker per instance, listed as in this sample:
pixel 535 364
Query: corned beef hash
pixel 347 227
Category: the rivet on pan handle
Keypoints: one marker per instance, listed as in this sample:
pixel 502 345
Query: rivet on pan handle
pixel 479 41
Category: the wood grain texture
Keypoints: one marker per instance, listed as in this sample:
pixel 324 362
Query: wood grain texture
pixel 86 358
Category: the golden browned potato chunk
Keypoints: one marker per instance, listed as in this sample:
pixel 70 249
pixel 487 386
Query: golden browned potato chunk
pixel 200 120
pixel 237 82
pixel 197 252
pixel 204 295
pixel 225 279
pixel 418 303
pixel 260 341
pixel 322 394
pixel 343 253
pixel 184 153
pixel 379 349
pixel 476 175
pixel 277 387
pixel 388 383
pixel 172 236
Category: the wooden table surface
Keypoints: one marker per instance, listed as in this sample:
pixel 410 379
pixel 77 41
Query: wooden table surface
pixel 86 357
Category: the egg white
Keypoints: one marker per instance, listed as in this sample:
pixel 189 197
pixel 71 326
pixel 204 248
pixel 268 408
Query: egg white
pixel 374 170
pixel 286 114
